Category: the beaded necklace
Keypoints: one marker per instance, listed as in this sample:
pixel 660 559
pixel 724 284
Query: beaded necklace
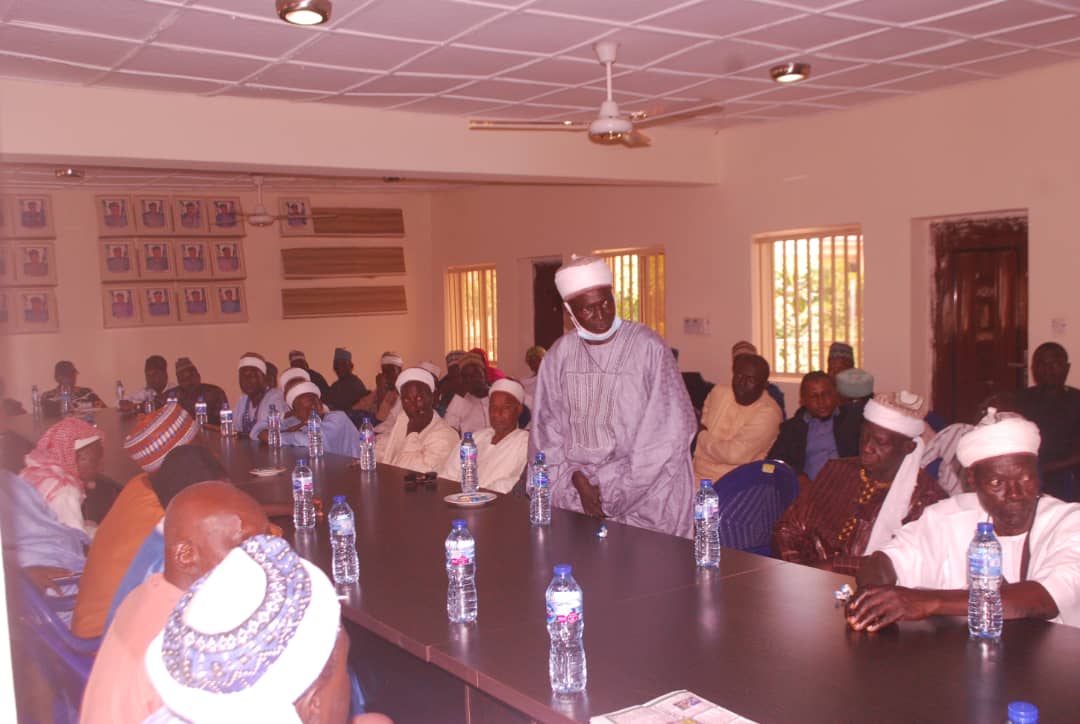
pixel 869 488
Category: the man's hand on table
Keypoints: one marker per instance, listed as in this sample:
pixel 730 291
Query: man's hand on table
pixel 589 494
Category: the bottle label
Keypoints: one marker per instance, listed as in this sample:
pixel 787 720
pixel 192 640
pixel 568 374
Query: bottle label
pixel 367 437
pixel 985 565
pixel 303 483
pixel 564 607
pixel 468 454
pixel 707 508
pixel 341 525
pixel 541 479
pixel 460 554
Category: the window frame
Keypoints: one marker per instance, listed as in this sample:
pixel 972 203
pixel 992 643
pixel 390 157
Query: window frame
pixel 650 305
pixel 457 309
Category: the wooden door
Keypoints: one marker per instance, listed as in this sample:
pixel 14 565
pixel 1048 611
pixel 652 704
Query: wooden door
pixel 547 304
pixel 980 317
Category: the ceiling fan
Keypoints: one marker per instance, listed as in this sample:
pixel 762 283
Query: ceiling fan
pixel 261 217
pixel 609 127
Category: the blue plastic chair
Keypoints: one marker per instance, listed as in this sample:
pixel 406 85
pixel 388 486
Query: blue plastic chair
pixel 752 498
pixel 61 658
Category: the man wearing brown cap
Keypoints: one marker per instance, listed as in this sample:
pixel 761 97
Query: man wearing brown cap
pixel 66 376
pixel 191 388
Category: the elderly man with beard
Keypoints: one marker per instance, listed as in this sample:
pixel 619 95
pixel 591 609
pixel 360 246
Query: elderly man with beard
pixel 420 439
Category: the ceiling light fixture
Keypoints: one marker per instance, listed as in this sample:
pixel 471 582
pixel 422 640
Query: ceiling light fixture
pixel 304 12
pixel 790 72
pixel 69 173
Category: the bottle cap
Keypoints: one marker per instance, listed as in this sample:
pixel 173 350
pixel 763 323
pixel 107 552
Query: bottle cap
pixel 459 523
pixel 706 483
pixel 985 528
pixel 339 498
pixel 224 405
pixel 540 457
pixel 301 461
pixel 563 569
pixel 1023 712
pixel 467 435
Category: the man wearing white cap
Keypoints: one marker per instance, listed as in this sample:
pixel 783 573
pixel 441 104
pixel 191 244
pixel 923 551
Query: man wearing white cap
pixel 254 404
pixel 856 504
pixel 612 413
pixel 502 449
pixel 420 440
pixel 339 434
pixel 469 412
pixel 923 570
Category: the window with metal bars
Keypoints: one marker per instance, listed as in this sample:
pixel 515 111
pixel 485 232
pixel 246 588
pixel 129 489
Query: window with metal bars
pixel 811 294
pixel 472 318
pixel 638 285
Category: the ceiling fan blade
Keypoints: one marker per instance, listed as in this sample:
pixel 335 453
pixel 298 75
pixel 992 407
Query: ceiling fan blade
pixel 636 139
pixel 495 125
pixel 708 110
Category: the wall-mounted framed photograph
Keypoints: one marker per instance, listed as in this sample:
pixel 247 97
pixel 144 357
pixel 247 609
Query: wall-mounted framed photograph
pixel 156 259
pixel 153 215
pixel 36 310
pixel 225 216
pixel 35 264
pixel 158 304
pixel 120 306
pixel 230 303
pixel 193 258
pixel 297 216
pixel 228 259
pixel 7 265
pixel 189 214
pixel 32 217
pixel 7 318
pixel 118 260
pixel 196 303
pixel 114 217
pixel 6 218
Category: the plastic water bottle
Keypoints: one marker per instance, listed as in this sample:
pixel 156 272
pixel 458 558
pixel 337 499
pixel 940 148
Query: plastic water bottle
pixel 35 401
pixel 227 427
pixel 148 403
pixel 461 572
pixel 119 391
pixel 566 624
pixel 314 436
pixel 1023 712
pixel 706 526
pixel 367 445
pixel 344 561
pixel 65 400
pixel 173 399
pixel 540 498
pixel 273 428
pixel 303 488
pixel 985 615
pixel 470 478
pixel 201 414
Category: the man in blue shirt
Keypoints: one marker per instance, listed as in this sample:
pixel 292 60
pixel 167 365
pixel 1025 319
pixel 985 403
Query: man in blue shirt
pixel 816 434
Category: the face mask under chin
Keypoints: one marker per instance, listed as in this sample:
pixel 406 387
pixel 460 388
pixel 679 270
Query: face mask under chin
pixel 593 336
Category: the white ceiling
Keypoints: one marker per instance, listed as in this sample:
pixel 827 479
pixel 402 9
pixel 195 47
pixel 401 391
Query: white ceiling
pixel 532 59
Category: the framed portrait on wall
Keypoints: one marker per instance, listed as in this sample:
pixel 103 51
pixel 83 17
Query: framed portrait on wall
pixel 114 217
pixel 193 258
pixel 225 216
pixel 228 259
pixel 158 304
pixel 7 265
pixel 121 306
pixel 189 214
pixel 32 217
pixel 230 303
pixel 156 259
pixel 297 216
pixel 36 311
pixel 153 215
pixel 7 319
pixel 6 230
pixel 34 264
pixel 196 303
pixel 118 260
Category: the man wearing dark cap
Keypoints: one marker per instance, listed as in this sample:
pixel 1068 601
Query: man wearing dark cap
pixel 66 375
pixel 190 388
pixel 349 389
pixel 841 357
pixel 298 359
pixel 156 371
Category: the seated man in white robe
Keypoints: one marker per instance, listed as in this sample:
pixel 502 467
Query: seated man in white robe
pixel 420 440
pixel 339 434
pixel 502 449
pixel 923 571
pixel 612 413
pixel 254 405
pixel 469 412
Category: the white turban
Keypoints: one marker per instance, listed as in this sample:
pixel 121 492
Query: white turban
pixel 581 274
pixel 293 373
pixel 431 367
pixel 248 639
pixel 301 388
pixel 900 412
pixel 998 433
pixel 255 362
pixel 392 358
pixel 510 387
pixel 415 374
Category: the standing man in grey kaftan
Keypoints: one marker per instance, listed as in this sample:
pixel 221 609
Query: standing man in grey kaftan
pixel 612 413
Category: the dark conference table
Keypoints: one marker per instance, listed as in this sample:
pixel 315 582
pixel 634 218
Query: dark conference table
pixel 758 636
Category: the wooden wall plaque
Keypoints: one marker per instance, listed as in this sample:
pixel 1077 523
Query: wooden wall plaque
pixel 309 302
pixel 346 221
pixel 342 261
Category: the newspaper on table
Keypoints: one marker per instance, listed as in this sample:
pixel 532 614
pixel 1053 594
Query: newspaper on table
pixel 676 707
